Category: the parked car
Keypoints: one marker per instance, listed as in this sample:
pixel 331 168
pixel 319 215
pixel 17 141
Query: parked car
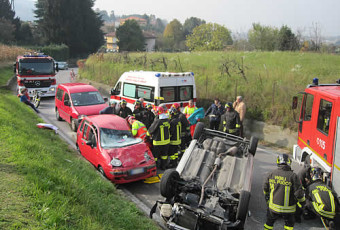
pixel 107 142
pixel 75 100
pixel 210 188
pixel 62 64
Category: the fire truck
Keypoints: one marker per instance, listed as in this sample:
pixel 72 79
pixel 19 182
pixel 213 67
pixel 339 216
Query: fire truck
pixel 319 130
pixel 36 72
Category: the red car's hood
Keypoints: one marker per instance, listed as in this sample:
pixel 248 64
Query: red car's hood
pixel 130 156
pixel 90 109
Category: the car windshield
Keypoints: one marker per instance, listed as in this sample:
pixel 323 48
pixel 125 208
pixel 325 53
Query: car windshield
pixel 36 66
pixel 87 98
pixel 111 138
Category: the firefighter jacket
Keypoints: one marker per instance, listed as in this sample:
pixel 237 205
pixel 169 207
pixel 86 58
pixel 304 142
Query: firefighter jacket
pixel 138 129
pixel 283 189
pixel 323 199
pixel 231 122
pixel 138 113
pixel 304 176
pixel 175 130
pixel 185 124
pixel 124 112
pixel 148 118
pixel 159 130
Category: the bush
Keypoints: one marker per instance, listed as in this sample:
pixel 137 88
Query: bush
pixel 58 52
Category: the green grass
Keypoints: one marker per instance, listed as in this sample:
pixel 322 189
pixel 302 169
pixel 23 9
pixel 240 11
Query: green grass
pixel 6 73
pixel 269 82
pixel 46 185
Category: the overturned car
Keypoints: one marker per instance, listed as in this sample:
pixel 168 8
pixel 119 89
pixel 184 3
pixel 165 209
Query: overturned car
pixel 210 188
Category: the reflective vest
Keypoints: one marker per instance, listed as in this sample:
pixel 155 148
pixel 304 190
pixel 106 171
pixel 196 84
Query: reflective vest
pixel 323 200
pixel 189 110
pixel 138 129
pixel 283 188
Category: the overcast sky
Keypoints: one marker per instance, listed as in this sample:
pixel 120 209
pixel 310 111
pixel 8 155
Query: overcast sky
pixel 237 15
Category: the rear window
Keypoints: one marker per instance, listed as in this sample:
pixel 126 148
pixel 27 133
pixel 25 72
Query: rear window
pixel 177 93
pixel 60 93
pixel 169 94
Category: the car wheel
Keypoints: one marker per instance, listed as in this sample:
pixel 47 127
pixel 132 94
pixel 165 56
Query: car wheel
pixel 198 130
pixel 73 125
pixel 242 209
pixel 101 170
pixel 169 183
pixel 57 115
pixel 253 145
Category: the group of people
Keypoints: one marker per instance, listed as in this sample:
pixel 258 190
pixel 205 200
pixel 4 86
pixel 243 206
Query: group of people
pixel 291 195
pixel 166 131
pixel 232 116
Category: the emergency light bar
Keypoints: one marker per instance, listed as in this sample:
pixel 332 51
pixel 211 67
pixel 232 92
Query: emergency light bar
pixel 174 74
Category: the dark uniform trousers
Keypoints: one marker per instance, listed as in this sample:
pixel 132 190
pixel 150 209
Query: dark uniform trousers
pixel 272 217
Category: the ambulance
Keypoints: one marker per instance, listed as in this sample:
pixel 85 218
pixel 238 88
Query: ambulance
pixel 155 88
pixel 319 130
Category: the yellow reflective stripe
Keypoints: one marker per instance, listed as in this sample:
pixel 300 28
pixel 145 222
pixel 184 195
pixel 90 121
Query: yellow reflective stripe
pixel 176 142
pixel 173 157
pixel 298 204
pixel 165 142
pixel 287 193
pixel 282 209
pixel 162 132
pixel 303 199
pixel 332 201
pixel 289 228
pixel 238 126
pixel 266 226
pixel 224 122
pixel 322 212
pixel 265 193
pixel 164 157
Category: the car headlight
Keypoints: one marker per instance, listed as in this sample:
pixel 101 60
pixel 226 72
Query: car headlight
pixel 80 117
pixel 116 162
pixel 146 156
pixel 52 89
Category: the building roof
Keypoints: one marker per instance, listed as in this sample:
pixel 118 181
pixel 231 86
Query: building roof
pixel 149 34
pixel 112 34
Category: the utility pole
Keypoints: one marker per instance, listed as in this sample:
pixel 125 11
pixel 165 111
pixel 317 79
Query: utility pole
pixel 12 4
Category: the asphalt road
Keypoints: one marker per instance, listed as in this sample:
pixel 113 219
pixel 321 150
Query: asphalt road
pixel 145 195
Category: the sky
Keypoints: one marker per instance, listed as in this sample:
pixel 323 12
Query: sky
pixel 236 15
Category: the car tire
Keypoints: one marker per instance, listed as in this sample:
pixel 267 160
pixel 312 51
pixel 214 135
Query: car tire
pixel 242 209
pixel 253 145
pixel 169 183
pixel 73 125
pixel 101 171
pixel 57 115
pixel 198 130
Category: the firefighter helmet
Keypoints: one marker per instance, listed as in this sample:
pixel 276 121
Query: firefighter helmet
pixel 123 102
pixel 137 102
pixel 316 173
pixel 131 119
pixel 176 105
pixel 173 111
pixel 283 159
pixel 229 105
pixel 159 110
pixel 148 106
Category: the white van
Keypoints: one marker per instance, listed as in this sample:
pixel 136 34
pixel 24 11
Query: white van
pixel 173 87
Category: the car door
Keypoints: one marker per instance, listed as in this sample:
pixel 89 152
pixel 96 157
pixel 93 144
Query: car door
pixel 91 150
pixel 67 107
pixel 82 138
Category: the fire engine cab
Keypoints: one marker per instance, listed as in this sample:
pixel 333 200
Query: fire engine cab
pixel 155 88
pixel 319 130
pixel 36 72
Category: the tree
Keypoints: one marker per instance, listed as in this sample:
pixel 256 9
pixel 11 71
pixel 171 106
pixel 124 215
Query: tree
pixel 73 23
pixel 263 37
pixel 190 24
pixel 287 39
pixel 130 36
pixel 173 34
pixel 7 14
pixel 103 14
pixel 6 31
pixel 25 36
pixel 112 16
pixel 315 37
pixel 211 36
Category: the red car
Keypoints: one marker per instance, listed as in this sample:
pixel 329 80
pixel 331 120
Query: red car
pixel 75 100
pixel 107 142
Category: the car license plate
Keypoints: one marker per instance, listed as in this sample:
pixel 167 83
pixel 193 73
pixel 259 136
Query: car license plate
pixel 136 171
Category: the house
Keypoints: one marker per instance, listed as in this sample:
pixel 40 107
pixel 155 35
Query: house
pixel 150 41
pixel 140 21
pixel 111 42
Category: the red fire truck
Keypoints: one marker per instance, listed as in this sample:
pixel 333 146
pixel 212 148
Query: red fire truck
pixel 319 130
pixel 36 72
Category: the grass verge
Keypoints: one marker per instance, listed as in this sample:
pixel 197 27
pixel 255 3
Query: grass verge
pixel 46 185
pixel 6 73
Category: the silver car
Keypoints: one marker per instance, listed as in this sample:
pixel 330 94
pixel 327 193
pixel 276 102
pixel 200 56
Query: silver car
pixel 62 64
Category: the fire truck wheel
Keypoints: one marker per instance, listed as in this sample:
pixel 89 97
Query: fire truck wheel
pixel 58 115
pixel 73 125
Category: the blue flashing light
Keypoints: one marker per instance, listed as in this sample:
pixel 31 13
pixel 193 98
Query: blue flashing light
pixel 192 73
pixel 316 81
pixel 157 74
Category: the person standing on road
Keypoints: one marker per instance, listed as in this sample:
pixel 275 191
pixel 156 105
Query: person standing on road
pixel 111 109
pixel 25 98
pixel 282 189
pixel 160 133
pixel 214 112
pixel 188 110
pixel 124 111
pixel 231 120
pixel 175 137
pixel 148 116
pixel 240 107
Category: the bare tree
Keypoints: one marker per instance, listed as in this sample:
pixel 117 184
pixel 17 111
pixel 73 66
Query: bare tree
pixel 315 37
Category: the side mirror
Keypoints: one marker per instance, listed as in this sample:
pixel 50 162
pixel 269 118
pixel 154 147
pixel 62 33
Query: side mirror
pixel 89 142
pixel 67 103
pixel 295 102
pixel 56 67
pixel 106 99
pixel 114 92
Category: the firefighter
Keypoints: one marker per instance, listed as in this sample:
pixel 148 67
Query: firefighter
pixel 148 116
pixel 188 110
pixel 185 132
pixel 322 201
pixel 175 137
pixel 231 120
pixel 159 131
pixel 124 111
pixel 138 129
pixel 138 112
pixel 282 189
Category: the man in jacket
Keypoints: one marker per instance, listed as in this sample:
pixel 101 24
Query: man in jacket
pixel 231 120
pixel 175 137
pixel 214 112
pixel 111 109
pixel 148 116
pixel 138 112
pixel 282 188
pixel 160 133
pixel 322 201
pixel 240 107
pixel 124 111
